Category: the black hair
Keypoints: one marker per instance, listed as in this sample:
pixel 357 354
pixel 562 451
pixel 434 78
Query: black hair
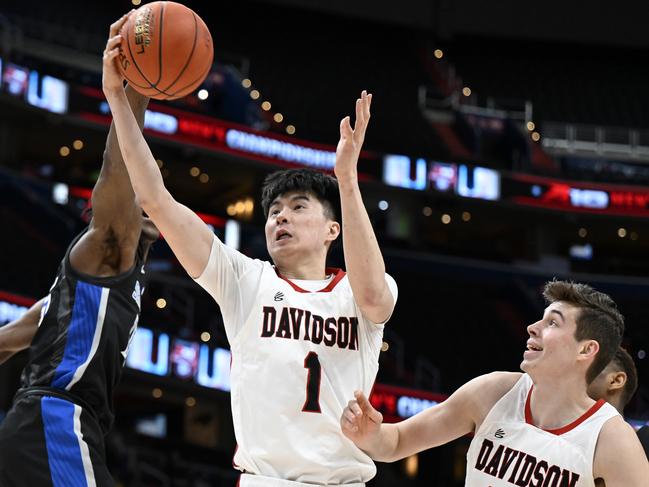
pixel 622 362
pixel 323 186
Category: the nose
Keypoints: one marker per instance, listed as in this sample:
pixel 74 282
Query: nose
pixel 281 216
pixel 533 329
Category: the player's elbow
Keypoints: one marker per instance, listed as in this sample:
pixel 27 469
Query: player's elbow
pixel 376 305
pixel 153 202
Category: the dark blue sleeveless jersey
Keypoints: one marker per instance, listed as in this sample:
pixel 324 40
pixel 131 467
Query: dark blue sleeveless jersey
pixel 83 336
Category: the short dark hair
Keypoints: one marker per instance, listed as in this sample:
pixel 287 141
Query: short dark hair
pixel 323 186
pixel 622 362
pixel 598 319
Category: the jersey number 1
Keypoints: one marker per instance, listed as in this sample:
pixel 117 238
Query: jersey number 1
pixel 312 403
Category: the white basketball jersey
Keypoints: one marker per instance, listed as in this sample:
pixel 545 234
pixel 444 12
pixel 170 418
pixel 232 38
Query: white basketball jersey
pixel 298 355
pixel 509 450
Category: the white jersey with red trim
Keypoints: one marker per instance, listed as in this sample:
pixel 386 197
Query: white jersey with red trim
pixel 299 351
pixel 509 450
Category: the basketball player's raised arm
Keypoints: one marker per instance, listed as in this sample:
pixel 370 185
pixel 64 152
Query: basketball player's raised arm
pixel 363 259
pixel 459 415
pixel 116 216
pixel 619 458
pixel 187 235
pixel 113 199
pixel 18 334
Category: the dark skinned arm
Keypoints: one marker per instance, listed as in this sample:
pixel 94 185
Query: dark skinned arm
pixel 109 246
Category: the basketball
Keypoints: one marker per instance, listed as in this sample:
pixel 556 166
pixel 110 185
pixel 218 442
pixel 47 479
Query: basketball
pixel 166 50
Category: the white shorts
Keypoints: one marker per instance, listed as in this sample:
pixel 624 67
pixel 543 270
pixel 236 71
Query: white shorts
pixel 249 480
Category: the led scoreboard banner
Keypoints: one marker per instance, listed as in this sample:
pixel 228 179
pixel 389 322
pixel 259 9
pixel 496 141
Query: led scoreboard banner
pixel 399 403
pixel 214 134
pixel 576 196
pixel 483 183
pixel 463 180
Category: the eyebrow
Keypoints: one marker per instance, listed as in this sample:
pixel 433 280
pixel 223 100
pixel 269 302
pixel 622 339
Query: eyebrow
pixel 292 198
pixel 563 318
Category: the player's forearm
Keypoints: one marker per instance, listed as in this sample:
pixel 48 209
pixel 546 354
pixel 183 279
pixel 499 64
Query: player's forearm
pixel 18 334
pixel 113 163
pixel 363 258
pixel 384 448
pixel 141 166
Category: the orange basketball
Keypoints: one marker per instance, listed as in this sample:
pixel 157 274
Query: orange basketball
pixel 166 50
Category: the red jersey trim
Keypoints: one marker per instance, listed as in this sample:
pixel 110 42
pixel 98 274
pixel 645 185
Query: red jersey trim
pixel 564 429
pixel 338 275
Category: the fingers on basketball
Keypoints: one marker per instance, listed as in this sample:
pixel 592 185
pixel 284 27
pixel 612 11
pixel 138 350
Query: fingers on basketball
pixel 113 42
pixel 117 25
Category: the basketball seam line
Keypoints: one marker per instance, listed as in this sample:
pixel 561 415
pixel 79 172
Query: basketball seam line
pixel 189 58
pixel 209 67
pixel 160 40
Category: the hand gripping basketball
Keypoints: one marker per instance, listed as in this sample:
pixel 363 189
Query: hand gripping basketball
pixel 112 79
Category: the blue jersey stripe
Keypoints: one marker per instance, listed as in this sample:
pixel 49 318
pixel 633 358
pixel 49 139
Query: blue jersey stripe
pixel 81 332
pixel 63 452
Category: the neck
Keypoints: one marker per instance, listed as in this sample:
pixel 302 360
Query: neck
pixel 615 400
pixel 311 271
pixel 555 404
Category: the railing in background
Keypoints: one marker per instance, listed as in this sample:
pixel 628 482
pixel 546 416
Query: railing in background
pixel 619 143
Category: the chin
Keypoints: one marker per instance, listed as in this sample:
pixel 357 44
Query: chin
pixel 528 367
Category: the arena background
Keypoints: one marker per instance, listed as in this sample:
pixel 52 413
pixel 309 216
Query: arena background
pixel 508 145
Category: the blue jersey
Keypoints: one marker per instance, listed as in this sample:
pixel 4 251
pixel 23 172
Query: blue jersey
pixel 83 336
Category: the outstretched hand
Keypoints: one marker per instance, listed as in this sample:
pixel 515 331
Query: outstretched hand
pixel 112 78
pixel 360 422
pixel 351 140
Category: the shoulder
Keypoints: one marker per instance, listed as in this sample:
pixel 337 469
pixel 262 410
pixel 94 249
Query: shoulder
pixel 221 254
pixel 101 251
pixel 481 394
pixel 616 430
pixel 496 384
pixel 490 388
pixel 618 451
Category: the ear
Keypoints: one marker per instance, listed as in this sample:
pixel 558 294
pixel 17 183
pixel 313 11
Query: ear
pixel 588 349
pixel 616 380
pixel 333 231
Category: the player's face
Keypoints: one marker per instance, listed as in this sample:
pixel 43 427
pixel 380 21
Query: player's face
pixel 297 227
pixel 552 349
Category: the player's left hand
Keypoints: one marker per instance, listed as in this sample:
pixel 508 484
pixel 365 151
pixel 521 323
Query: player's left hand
pixel 112 78
pixel 360 422
pixel 351 140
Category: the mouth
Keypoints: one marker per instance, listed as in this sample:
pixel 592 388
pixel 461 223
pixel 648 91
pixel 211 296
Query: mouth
pixel 532 348
pixel 282 235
